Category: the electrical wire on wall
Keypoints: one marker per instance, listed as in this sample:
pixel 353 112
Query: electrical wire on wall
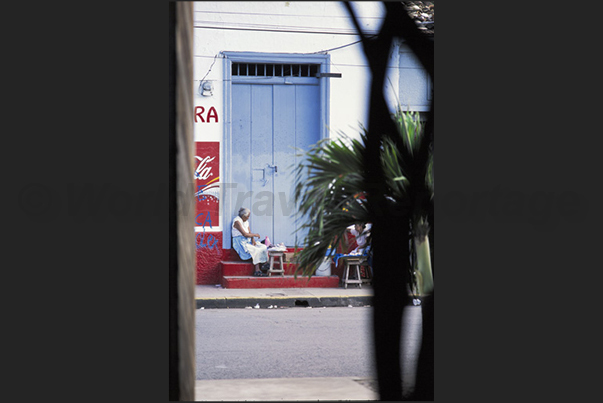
pixel 321 51
pixel 282 28
pixel 267 28
pixel 371 19
pixel 351 33
pixel 285 15
pixel 337 48
pixel 210 67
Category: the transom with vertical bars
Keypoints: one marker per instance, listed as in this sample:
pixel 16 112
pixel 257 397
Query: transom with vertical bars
pixel 275 70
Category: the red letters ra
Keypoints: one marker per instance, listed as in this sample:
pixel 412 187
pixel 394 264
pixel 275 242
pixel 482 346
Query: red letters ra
pixel 211 114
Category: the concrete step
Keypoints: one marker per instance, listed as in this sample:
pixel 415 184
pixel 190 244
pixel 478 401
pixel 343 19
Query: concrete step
pixel 277 281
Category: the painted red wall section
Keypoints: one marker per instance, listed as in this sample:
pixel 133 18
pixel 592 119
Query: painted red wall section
pixel 209 255
pixel 207 184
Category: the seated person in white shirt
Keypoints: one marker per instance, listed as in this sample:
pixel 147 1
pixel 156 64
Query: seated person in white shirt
pixel 362 232
pixel 243 242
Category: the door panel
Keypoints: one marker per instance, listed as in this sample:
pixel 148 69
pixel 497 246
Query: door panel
pixel 262 205
pixel 240 159
pixel 284 159
pixel 307 124
pixel 269 123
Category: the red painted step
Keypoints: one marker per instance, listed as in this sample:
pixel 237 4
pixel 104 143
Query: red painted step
pixel 240 268
pixel 237 273
pixel 230 255
pixel 276 281
pixel 236 268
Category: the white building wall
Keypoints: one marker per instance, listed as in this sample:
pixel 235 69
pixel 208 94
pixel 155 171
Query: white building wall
pixel 414 82
pixel 348 95
pixel 223 26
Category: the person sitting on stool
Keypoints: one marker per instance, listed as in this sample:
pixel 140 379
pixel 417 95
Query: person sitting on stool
pixel 244 244
pixel 362 233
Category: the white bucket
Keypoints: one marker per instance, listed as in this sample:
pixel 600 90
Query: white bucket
pixel 325 268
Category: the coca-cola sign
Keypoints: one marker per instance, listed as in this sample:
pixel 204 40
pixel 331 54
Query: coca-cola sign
pixel 203 171
pixel 207 184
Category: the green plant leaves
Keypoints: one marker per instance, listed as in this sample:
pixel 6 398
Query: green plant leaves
pixel 331 191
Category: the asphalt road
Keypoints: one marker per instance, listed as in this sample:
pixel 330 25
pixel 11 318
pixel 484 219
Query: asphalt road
pixel 293 343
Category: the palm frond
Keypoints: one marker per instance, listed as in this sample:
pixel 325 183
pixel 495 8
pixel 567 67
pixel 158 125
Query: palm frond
pixel 330 186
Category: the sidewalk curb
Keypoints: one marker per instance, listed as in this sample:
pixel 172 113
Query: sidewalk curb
pixel 303 301
pixel 333 389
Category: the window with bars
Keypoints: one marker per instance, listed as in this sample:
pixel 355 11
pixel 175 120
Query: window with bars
pixel 274 70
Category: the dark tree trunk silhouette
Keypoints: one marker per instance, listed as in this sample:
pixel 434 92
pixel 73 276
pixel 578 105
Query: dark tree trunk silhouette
pixel 181 230
pixel 392 221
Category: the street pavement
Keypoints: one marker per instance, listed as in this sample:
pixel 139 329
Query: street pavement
pixel 284 389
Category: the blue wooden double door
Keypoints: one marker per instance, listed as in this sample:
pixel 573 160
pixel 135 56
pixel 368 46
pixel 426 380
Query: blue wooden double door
pixel 271 123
